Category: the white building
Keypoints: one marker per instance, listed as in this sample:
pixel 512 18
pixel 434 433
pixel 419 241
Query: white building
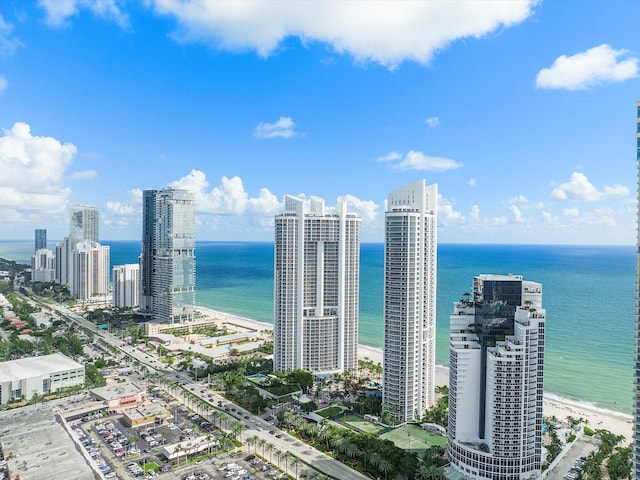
pixel 38 375
pixel 410 252
pixel 316 286
pixel 126 285
pixel 90 270
pixel 636 424
pixel 496 380
pixel 168 264
pixel 43 266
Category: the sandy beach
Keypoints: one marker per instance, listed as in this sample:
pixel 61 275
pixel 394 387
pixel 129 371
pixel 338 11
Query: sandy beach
pixel 554 405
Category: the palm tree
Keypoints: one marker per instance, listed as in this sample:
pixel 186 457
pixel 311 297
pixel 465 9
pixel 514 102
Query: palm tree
pixel 325 435
pixel 236 429
pixel 385 467
pixel 262 442
pixel 253 440
pixel 286 456
pixel 374 459
pixel 270 447
pixel 295 461
pixel 278 454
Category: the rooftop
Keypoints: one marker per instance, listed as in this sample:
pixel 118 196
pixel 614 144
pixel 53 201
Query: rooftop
pixel 35 366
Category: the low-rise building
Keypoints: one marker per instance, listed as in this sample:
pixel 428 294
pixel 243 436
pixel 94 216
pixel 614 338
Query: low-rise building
pixel 27 377
pixel 145 414
pixel 120 395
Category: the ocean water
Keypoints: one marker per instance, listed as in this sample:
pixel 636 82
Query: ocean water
pixel 588 295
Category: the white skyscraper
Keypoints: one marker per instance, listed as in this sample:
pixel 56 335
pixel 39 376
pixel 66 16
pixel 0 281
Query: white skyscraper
pixel 496 379
pixel 410 254
pixel 126 285
pixel 43 266
pixel 90 267
pixel 168 264
pixel 316 286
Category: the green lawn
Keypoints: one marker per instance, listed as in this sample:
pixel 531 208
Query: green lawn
pixel 149 466
pixel 413 437
pixel 329 412
pixel 359 423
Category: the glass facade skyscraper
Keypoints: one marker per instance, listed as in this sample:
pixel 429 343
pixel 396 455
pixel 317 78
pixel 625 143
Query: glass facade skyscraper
pixel 636 426
pixel 40 239
pixel 168 255
pixel 85 222
pixel 496 366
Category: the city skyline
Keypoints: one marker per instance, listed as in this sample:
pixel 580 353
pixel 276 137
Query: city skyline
pixel 525 148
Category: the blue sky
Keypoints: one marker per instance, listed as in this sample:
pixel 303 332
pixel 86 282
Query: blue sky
pixel 523 113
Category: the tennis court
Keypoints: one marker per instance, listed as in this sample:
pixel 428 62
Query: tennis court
pixel 413 437
pixel 359 423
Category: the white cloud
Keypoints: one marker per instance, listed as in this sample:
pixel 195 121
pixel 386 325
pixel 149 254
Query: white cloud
pixel 33 170
pixel 3 84
pixel 58 12
pixel 472 182
pixel 579 188
pixel 596 66
pixel 132 208
pixel 447 215
pixel 84 175
pixel 518 199
pixel 432 122
pixel 365 209
pixel 8 43
pixel 229 198
pixel 419 161
pixel 284 127
pixel 571 212
pixel 266 203
pixel 389 157
pixel 385 32
pixel 517 214
pixel 474 212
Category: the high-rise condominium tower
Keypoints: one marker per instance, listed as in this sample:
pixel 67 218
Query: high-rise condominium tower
pixel 85 221
pixel 410 300
pixel 90 267
pixel 40 239
pixel 496 379
pixel 636 426
pixel 168 255
pixel 126 285
pixel 316 274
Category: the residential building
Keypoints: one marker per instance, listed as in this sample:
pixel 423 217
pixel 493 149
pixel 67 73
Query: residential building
pixel 497 338
pixel 31 376
pixel 40 239
pixel 168 265
pixel 63 262
pixel 43 266
pixel 90 270
pixel 316 287
pixel 85 221
pixel 126 285
pixel 410 255
pixel 636 426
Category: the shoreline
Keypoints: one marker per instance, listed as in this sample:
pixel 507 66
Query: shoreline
pixel 618 423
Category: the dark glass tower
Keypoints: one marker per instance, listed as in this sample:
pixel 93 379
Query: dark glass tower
pixel 41 239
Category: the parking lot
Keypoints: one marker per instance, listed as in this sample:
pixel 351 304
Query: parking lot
pixel 123 452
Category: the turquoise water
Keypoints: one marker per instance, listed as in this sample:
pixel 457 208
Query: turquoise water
pixel 588 294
